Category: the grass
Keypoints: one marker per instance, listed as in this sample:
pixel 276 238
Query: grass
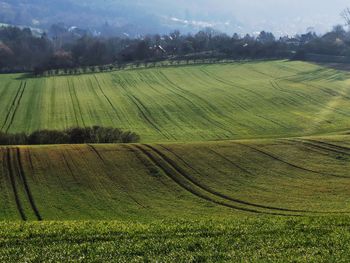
pixel 190 103
pixel 289 177
pixel 241 240
pixel 239 162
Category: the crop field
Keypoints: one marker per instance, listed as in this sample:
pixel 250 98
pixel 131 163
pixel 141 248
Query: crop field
pixel 241 240
pixel 237 162
pixel 187 103
pixel 161 181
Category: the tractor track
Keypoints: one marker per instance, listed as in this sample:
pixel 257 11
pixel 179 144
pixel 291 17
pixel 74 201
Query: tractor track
pixel 93 149
pixel 212 108
pixel 231 162
pixel 232 84
pixel 310 98
pixel 187 92
pixel 228 197
pixel 13 106
pixel 218 194
pixel 146 111
pixel 68 166
pixel 16 107
pixel 22 175
pixel 205 111
pixel 146 162
pixel 320 146
pixel 311 144
pixel 71 97
pixel 13 184
pixel 285 162
pixel 211 150
pixel 77 103
pixel 106 97
pixel 141 109
pixel 331 147
pixel 297 143
pixel 30 159
pixel 169 171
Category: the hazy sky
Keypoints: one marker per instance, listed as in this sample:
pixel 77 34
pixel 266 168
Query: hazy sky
pixel 284 16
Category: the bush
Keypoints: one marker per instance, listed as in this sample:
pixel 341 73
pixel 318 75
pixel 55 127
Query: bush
pixel 12 139
pixel 95 134
pixel 48 137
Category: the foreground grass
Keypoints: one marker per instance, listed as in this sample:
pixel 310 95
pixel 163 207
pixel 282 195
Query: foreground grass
pixel 254 239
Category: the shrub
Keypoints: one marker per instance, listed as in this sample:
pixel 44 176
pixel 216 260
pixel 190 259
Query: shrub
pixel 11 139
pixel 48 137
pixel 76 135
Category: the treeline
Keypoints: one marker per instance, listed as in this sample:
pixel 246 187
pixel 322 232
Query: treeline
pixel 95 134
pixel 179 61
pixel 20 50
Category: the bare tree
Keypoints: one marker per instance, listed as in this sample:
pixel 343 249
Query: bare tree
pixel 346 16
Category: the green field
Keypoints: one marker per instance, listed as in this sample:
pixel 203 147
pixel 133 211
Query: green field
pixel 237 162
pixel 148 182
pixel 244 239
pixel 193 103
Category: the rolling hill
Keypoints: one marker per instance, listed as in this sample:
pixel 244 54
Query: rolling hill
pixel 243 161
pixel 193 103
pixel 290 177
pixel 114 17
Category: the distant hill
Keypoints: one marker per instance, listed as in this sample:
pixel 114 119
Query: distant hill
pixel 161 16
pixel 38 13
pixel 107 17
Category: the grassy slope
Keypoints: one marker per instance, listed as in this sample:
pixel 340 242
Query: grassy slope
pixel 193 103
pixel 243 182
pixel 147 182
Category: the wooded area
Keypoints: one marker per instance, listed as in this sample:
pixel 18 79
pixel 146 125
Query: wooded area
pixel 22 51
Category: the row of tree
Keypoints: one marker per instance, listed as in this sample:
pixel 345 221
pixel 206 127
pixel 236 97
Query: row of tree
pixel 95 134
pixel 20 50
